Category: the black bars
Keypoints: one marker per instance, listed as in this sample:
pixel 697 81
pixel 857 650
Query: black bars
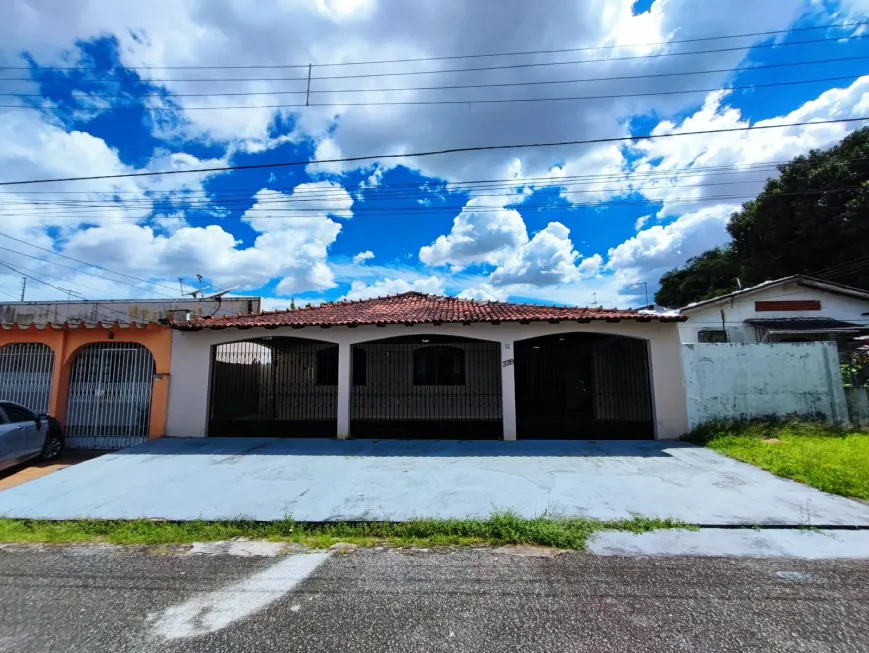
pixel 274 387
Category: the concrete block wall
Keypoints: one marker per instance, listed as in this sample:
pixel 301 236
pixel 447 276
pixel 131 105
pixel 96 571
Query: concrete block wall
pixel 731 381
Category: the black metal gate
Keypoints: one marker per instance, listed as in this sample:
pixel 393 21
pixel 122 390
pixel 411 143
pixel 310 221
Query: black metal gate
pixel 583 386
pixel 418 387
pixel 274 387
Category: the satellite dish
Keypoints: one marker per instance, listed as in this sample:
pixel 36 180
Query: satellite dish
pixel 220 294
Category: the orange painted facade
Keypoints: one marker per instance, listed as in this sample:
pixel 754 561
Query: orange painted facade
pixel 66 341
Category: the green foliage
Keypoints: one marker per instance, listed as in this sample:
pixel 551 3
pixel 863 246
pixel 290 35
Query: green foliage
pixel 292 304
pixel 823 456
pixel 501 528
pixel 711 274
pixel 815 215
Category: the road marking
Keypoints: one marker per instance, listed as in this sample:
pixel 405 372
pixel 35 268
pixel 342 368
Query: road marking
pixel 216 610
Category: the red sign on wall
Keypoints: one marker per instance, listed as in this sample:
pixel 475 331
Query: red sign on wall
pixel 797 305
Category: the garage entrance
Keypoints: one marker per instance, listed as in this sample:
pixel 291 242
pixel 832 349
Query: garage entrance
pixel 426 387
pixel 274 387
pixel 110 396
pixel 583 386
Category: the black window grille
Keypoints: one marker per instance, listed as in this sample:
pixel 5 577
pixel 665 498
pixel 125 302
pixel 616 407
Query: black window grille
pixel 439 366
pixel 327 366
pixel 360 366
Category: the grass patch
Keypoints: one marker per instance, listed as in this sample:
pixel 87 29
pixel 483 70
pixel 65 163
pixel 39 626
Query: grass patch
pixel 823 456
pixel 499 529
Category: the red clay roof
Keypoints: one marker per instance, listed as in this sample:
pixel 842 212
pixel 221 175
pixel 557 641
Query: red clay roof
pixel 416 308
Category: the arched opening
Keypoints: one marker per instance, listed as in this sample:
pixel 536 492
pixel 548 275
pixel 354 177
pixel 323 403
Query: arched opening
pixel 586 386
pixel 110 396
pixel 426 386
pixel 26 370
pixel 274 387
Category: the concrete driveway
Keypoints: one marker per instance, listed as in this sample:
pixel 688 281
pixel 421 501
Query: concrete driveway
pixel 323 480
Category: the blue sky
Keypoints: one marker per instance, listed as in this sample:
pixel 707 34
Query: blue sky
pixel 95 87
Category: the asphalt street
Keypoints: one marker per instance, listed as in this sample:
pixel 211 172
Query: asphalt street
pixel 121 600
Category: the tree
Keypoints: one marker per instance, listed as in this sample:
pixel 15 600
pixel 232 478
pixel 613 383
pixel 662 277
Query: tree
pixel 813 220
pixel 712 273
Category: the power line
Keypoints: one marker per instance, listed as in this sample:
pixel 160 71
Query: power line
pixel 455 150
pixel 45 283
pixel 87 206
pixel 456 186
pixel 80 271
pixel 462 56
pixel 471 101
pixel 451 210
pixel 93 265
pixel 441 87
pixel 539 64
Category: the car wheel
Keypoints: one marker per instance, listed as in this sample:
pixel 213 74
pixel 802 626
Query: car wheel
pixel 53 447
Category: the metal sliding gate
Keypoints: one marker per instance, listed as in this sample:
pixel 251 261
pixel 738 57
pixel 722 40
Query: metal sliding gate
pixel 419 387
pixel 584 386
pixel 110 396
pixel 274 387
pixel 25 374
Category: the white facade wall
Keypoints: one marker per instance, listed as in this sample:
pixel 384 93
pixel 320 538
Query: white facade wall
pixel 730 381
pixel 191 361
pixel 741 307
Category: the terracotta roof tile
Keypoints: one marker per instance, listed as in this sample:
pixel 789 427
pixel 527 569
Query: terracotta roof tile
pixel 415 308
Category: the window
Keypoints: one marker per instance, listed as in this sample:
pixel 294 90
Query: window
pixel 439 366
pixel 327 366
pixel 17 413
pixel 712 335
pixel 360 366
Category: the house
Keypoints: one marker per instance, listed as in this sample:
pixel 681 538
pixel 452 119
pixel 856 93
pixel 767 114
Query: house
pixel 422 366
pixel 107 383
pixel 792 309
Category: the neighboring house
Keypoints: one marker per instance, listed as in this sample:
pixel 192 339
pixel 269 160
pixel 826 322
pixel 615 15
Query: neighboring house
pixel 793 309
pixel 122 311
pixel 108 384
pixel 419 366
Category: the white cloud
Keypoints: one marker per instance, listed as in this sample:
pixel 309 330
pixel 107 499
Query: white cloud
pixel 590 267
pixel 641 222
pixel 361 257
pixel 382 287
pixel 484 232
pixel 171 223
pixel 547 259
pixel 485 292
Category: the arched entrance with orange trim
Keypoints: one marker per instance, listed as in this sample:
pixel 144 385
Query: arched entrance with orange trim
pixel 109 404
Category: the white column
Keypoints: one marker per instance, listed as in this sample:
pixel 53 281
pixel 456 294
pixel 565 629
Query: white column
pixel 189 392
pixel 508 391
pixel 344 388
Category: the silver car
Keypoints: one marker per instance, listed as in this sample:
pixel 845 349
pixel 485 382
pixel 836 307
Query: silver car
pixel 25 435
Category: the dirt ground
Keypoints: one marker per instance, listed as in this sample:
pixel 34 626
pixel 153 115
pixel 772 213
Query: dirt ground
pixel 33 470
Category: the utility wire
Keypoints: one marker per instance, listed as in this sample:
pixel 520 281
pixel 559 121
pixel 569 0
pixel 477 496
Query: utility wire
pixel 80 271
pixel 449 186
pixel 464 56
pixel 45 283
pixel 278 198
pixel 93 265
pixel 574 98
pixel 269 213
pixel 455 150
pixel 312 92
pixel 540 64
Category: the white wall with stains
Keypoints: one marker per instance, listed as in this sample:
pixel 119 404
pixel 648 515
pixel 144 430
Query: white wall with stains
pixel 730 381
